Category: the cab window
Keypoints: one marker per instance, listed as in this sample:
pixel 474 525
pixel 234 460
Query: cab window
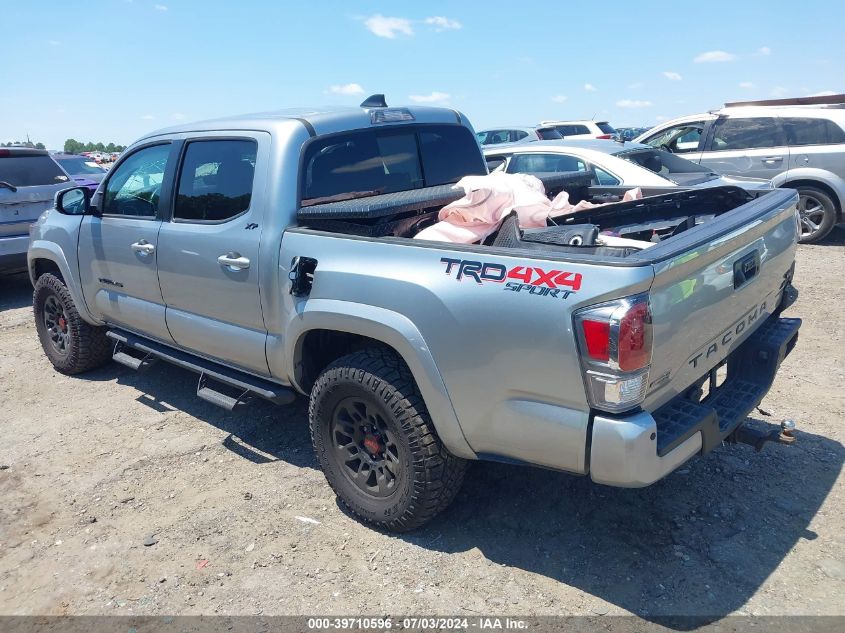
pixel 215 182
pixel 532 163
pixel 134 187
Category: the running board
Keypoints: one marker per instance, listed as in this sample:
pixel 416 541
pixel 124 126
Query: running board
pixel 239 381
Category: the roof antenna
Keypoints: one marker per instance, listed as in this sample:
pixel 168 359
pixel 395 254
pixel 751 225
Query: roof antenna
pixel 374 101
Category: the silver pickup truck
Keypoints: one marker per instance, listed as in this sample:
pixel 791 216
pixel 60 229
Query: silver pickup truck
pixel 274 256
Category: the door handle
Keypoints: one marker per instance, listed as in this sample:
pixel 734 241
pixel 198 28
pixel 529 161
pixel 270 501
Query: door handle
pixel 143 247
pixel 233 261
pixel 773 159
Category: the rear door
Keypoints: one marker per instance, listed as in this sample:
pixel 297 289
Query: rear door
pixel 747 146
pixel 36 178
pixel 118 247
pixel 815 142
pixel 208 260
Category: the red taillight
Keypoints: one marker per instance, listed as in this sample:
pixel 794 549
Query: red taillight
pixel 634 347
pixel 614 339
pixel 605 136
pixel 597 339
pixel 5 152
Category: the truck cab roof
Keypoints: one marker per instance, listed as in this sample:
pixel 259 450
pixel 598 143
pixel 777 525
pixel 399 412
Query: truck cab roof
pixel 321 119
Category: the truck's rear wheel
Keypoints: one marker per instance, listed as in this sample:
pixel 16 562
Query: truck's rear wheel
pixel 71 344
pixel 376 444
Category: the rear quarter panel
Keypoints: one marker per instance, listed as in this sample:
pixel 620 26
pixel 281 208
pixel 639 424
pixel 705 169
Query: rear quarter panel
pixel 507 358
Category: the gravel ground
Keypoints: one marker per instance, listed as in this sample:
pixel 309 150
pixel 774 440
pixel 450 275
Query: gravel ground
pixel 123 493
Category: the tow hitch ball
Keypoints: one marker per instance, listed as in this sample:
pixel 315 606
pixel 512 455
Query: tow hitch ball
pixel 758 438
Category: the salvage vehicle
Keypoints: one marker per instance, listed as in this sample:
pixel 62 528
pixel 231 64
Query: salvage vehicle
pixel 615 167
pixel 797 143
pixel 499 135
pixel 273 255
pixel 582 129
pixel 29 180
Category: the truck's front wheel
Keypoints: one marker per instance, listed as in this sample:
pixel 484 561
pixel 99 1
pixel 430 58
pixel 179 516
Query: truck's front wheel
pixel 376 444
pixel 71 344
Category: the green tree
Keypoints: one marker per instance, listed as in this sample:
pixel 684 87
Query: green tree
pixel 88 147
pixel 110 147
pixel 40 146
pixel 100 147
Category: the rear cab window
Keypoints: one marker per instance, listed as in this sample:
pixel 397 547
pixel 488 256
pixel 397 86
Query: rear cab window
pixel 540 163
pixel 606 127
pixel 370 162
pixel 30 170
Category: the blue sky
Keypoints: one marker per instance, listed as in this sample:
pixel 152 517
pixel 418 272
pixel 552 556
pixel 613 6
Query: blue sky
pixel 110 70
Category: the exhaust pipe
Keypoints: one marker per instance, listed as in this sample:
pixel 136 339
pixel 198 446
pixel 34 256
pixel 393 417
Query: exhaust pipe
pixel 758 439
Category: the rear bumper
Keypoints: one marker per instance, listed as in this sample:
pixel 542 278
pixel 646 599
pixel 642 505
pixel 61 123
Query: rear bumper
pixel 638 449
pixel 13 251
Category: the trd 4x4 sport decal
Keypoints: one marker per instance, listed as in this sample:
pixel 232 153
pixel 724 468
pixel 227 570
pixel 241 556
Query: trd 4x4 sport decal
pixel 536 281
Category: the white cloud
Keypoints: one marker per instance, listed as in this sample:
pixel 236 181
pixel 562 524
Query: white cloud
pixel 388 27
pixel 672 76
pixel 177 116
pixel 559 98
pixel 347 89
pixel 637 85
pixel 763 51
pixel 780 92
pixel 633 103
pixel 160 7
pixel 823 93
pixel 443 24
pixel 660 118
pixel 148 117
pixel 714 56
pixel 746 84
pixel 53 42
pixel 430 98
pixel 590 88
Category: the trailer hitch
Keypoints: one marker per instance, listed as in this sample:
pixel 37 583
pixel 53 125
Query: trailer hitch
pixel 758 438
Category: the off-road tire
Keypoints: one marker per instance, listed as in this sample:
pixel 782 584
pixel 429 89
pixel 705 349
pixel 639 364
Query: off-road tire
pixel 829 217
pixel 428 476
pixel 86 347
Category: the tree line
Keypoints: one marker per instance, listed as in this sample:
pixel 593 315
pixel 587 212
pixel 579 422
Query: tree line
pixel 27 144
pixel 72 146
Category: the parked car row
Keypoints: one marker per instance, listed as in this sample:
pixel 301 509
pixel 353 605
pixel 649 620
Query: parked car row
pixel 794 143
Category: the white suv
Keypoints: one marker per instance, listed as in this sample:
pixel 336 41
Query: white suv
pixel 582 129
pixel 796 143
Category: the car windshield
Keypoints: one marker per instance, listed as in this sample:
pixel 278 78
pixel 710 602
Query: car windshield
pixel 79 165
pixel 30 170
pixel 373 161
pixel 668 165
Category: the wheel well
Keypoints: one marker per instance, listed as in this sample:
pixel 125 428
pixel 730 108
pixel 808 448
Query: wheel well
pixel 42 266
pixel 795 184
pixel 320 348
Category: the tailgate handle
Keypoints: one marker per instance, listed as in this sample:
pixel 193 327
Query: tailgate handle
pixel 746 268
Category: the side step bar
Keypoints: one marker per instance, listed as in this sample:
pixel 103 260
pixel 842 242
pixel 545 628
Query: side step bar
pixel 241 382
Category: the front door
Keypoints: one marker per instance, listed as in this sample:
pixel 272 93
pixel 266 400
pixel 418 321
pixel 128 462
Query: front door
pixel 747 146
pixel 118 247
pixel 208 251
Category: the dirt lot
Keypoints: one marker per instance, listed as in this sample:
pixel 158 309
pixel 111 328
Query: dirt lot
pixel 245 524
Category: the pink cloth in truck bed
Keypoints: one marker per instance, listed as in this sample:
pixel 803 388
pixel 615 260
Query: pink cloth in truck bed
pixel 489 199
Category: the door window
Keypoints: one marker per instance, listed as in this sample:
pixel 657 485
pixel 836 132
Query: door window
pixel 678 138
pixel 530 163
pixel 134 188
pixel 215 183
pixel 806 131
pixel 605 179
pixel 746 133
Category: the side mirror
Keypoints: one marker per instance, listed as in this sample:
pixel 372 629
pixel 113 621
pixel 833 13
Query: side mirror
pixel 75 201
